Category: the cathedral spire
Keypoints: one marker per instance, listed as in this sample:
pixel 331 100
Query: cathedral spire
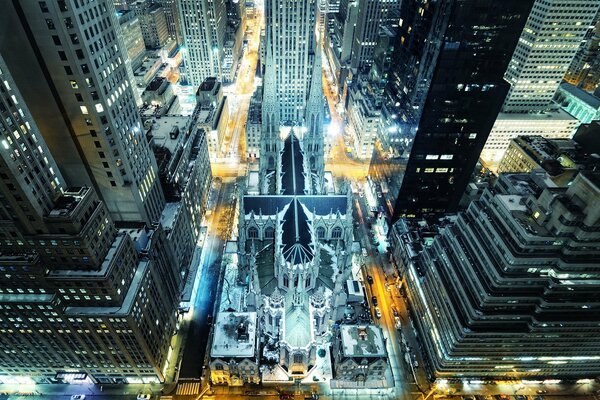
pixel 270 143
pixel 313 124
pixel 270 106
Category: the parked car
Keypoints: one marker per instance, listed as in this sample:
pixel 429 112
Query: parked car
pixel 377 312
pixel 374 300
pixel 78 397
pixel 144 396
pixel 370 279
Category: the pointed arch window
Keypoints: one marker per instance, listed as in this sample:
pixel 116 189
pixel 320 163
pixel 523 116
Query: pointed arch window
pixel 269 233
pixel 321 232
pixel 252 232
pixel 336 233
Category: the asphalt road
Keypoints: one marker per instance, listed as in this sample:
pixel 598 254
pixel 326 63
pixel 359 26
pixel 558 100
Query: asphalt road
pixel 195 347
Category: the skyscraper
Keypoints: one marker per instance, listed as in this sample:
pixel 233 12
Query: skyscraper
pixel 549 42
pixel 584 71
pixel 172 17
pixel 551 38
pixel 290 35
pixel 203 25
pixel 371 17
pixel 445 90
pixel 153 23
pixel 74 300
pixel 510 287
pixel 69 63
pixel 293 92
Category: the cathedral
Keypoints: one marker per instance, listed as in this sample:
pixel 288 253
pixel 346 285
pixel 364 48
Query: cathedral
pixel 294 238
pixel 295 232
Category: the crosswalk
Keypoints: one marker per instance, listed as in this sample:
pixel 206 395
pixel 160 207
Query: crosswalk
pixel 188 388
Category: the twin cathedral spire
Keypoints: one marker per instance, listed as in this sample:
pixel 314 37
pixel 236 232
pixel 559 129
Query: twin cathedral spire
pixel 308 132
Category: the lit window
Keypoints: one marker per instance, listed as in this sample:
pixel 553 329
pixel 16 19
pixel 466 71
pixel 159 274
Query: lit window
pixel 83 109
pixel 99 108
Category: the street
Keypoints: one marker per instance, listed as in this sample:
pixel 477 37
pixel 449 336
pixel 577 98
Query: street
pixel 203 304
pixel 378 267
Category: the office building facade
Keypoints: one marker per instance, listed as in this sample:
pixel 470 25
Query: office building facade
pixel 132 38
pixel 73 76
pixel 80 300
pixel 153 23
pixel 291 41
pixel 584 71
pixel 371 17
pixel 509 288
pixel 549 42
pixel 172 16
pixel 441 102
pixel 552 124
pixel 203 29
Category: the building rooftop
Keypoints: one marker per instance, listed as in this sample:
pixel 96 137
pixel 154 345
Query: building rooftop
pixel 208 84
pixel 167 218
pixel 354 288
pixel 581 94
pixel 292 166
pixel 549 116
pixel 297 326
pixel 104 267
pixel 234 335
pixel 25 298
pixel 362 341
pixel 68 202
pixel 156 83
pixel 127 304
pixel 163 130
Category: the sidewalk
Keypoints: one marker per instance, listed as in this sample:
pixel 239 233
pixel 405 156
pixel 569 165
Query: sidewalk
pixel 55 390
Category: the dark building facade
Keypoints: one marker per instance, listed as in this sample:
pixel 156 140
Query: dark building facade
pixel 444 92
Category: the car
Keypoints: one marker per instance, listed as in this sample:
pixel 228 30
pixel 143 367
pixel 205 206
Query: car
pixel 468 398
pixel 78 397
pixel 377 312
pixel 374 300
pixel 364 252
pixel 395 312
pixel 144 396
pixel 370 279
pixel 520 397
pixel 541 391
